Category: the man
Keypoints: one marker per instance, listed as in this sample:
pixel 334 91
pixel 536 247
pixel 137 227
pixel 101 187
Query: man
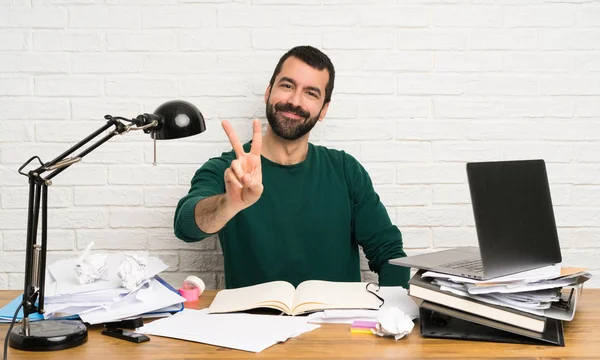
pixel 283 208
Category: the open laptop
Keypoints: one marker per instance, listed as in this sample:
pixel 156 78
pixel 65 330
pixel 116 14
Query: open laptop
pixel 514 219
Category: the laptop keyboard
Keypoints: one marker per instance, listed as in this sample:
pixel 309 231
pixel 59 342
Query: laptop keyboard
pixel 474 265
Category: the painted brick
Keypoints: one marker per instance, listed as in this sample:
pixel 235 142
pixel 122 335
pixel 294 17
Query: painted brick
pixel 58 239
pixel 112 239
pixel 142 41
pixel 52 40
pixel 17 197
pixel 105 196
pixel 104 17
pixel 15 131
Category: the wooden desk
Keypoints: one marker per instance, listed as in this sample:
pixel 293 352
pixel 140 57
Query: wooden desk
pixel 334 341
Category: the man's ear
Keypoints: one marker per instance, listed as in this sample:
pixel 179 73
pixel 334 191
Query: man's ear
pixel 324 111
pixel 267 93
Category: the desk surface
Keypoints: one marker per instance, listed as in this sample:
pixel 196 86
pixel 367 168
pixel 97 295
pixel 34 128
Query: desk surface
pixel 334 341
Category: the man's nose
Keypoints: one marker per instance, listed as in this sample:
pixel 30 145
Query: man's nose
pixel 296 98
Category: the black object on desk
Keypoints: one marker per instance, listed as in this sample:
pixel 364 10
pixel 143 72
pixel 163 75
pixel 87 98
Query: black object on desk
pixel 438 321
pixel 116 329
pixel 125 324
pixel 126 335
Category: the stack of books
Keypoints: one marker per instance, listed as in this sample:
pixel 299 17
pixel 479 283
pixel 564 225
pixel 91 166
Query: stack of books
pixel 523 310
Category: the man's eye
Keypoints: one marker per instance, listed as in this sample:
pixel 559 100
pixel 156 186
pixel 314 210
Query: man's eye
pixel 313 94
pixel 287 86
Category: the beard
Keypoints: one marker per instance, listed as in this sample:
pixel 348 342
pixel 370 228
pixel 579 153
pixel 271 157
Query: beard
pixel 286 128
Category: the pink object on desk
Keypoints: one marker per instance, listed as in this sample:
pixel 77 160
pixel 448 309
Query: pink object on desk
pixel 357 324
pixel 192 288
pixel 190 294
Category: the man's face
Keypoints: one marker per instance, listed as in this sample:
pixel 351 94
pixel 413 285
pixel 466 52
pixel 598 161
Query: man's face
pixel 295 101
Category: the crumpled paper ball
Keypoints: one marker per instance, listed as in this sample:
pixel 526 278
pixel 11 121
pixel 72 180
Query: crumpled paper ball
pixel 132 271
pixel 91 267
pixel 393 322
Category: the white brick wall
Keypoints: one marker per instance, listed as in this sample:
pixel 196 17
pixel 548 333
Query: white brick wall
pixel 423 86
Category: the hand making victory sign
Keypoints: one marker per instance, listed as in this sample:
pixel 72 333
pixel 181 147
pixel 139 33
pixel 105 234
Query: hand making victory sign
pixel 243 179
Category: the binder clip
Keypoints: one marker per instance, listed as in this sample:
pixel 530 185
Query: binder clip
pixel 564 304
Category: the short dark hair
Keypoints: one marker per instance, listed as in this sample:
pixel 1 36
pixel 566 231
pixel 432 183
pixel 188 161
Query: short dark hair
pixel 314 58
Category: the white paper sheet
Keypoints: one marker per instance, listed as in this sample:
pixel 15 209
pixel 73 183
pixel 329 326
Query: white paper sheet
pixel 538 285
pixel 236 331
pixel 394 296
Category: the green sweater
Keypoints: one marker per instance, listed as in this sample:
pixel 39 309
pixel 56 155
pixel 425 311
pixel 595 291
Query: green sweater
pixel 307 225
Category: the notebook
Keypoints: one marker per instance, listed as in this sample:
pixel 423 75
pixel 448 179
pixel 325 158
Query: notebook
pixel 514 219
pixel 309 296
pixel 438 321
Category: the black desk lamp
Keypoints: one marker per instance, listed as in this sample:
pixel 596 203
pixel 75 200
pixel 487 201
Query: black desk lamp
pixel 171 120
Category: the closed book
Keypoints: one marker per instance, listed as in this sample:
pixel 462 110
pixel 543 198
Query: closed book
pixel 439 321
pixel 424 289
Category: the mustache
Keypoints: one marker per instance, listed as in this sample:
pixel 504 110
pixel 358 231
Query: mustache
pixel 287 107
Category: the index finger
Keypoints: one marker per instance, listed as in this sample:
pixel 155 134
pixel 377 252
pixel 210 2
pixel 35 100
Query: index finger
pixel 233 139
pixel 256 138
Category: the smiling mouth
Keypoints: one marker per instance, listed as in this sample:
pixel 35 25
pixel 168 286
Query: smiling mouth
pixel 291 115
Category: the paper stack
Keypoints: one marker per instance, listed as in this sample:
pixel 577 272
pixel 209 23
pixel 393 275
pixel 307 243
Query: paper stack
pixel 246 332
pixel 102 300
pixel 527 307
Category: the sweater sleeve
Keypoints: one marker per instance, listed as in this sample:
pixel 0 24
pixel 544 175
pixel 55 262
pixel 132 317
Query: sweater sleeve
pixel 372 228
pixel 207 181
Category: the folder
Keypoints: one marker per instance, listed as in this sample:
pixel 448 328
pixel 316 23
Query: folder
pixel 425 289
pixel 7 312
pixel 438 321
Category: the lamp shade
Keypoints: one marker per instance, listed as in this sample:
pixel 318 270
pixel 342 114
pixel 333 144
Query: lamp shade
pixel 178 119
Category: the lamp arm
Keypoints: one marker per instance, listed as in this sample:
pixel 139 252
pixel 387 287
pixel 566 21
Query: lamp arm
pixel 171 120
pixel 35 255
pixel 89 149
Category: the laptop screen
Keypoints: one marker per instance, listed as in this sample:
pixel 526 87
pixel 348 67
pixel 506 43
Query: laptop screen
pixel 513 214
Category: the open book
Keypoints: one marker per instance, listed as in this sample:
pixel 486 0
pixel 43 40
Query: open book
pixel 311 295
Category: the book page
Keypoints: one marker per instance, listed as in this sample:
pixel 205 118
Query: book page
pixel 320 295
pixel 275 295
